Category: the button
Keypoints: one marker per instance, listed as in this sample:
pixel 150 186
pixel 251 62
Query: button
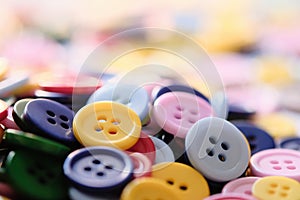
pixel 9 122
pixel 176 112
pixel 239 112
pixel 145 146
pixel 241 185
pixel 217 149
pixel 50 119
pixel 96 169
pixel 276 162
pixel 131 95
pixel 258 139
pixel 43 175
pixel 18 111
pixel 142 165
pixel 107 123
pixel 76 194
pixel 290 143
pixel 7 191
pixel 3 110
pixel 1 133
pixel 148 188
pixel 15 138
pixel 188 184
pixel 12 83
pixel 151 127
pixel 163 153
pixel 230 196
pixel 276 188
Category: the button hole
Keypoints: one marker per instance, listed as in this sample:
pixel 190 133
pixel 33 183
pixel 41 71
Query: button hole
pixel 271 192
pixel 285 187
pixel 42 181
pixel 210 152
pixel 109 167
pixel 274 162
pixel 177 116
pixel 112 131
pixel 88 169
pixel 50 113
pixel 212 140
pixel 64 125
pixel 31 171
pixel 51 121
pixel 292 167
pixel 179 108
pixel 224 146
pixel 98 128
pixel 100 174
pixel 222 157
pixel 277 168
pixel 194 112
pixel 183 187
pixel 115 121
pixel 288 161
pixel 251 138
pixel 252 146
pixel 192 121
pixel 274 185
pixel 64 118
pixel 283 194
pixel 96 162
pixel 101 119
pixel 170 182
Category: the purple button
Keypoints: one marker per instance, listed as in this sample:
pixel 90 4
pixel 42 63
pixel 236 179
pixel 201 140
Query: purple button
pixel 241 185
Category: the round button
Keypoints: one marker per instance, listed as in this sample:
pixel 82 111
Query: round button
pixel 50 119
pixel 142 165
pixel 76 194
pixel 290 143
pixel 163 152
pixel 276 188
pixel 18 111
pixel 9 122
pixel 258 139
pixel 241 185
pixel 239 112
pixel 148 188
pixel 3 110
pixel 131 95
pixel 188 184
pixel 6 191
pixel 98 168
pixel 230 196
pixel 107 123
pixel 12 83
pixel 276 162
pixel 145 146
pixel 217 149
pixel 176 112
pixel 151 127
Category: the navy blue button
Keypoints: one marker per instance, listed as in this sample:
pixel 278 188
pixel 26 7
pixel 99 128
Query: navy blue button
pixel 180 88
pixel 98 169
pixel 50 119
pixel 236 112
pixel 290 143
pixel 258 139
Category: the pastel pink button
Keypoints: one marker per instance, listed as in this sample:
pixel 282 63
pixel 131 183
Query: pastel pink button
pixel 176 112
pixel 230 196
pixel 241 185
pixel 276 162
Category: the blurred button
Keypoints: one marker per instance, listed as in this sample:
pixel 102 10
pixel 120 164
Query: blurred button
pixel 12 83
pixel 107 123
pixel 3 68
pixel 230 196
pixel 3 110
pixel 276 162
pixel 18 111
pixel 142 165
pixel 9 122
pixel 290 143
pixel 237 112
pixel 1 133
pixel 76 194
pixel 217 149
pixel 163 153
pixel 240 185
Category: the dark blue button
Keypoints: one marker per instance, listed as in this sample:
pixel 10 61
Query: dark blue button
pixel 258 139
pixel 290 143
pixel 236 112
pixel 98 169
pixel 180 88
pixel 50 119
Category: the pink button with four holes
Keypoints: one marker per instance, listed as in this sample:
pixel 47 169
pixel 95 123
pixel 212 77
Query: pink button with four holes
pixel 176 112
pixel 240 185
pixel 276 162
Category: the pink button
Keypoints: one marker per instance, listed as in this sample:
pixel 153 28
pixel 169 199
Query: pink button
pixel 142 165
pixel 276 162
pixel 230 196
pixel 241 185
pixel 176 112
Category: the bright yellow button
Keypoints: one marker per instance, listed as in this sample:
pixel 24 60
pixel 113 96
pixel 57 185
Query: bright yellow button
pixel 183 179
pixel 148 189
pixel 107 123
pixel 276 188
pixel 278 125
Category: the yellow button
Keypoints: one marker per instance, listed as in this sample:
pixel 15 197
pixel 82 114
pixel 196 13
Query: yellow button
pixel 278 125
pixel 148 189
pixel 276 188
pixel 183 179
pixel 107 123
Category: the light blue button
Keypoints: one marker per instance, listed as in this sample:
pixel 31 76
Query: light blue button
pixel 163 151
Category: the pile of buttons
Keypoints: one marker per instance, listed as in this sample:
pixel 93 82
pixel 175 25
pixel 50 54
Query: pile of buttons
pixel 123 141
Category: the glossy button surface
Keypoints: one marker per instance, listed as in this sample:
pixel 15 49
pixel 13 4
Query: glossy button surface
pixel 240 185
pixel 183 179
pixel 163 152
pixel 176 112
pixel 217 149
pixel 98 168
pixel 290 143
pixel 107 123
pixel 276 162
pixel 18 111
pixel 276 188
pixel 131 95
pixel 3 110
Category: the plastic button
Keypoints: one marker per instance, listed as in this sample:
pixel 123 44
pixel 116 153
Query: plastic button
pixel 3 110
pixel 276 188
pixel 217 149
pixel 107 123
pixel 276 162
pixel 98 168
pixel 9 122
pixel 1 133
pixel 50 119
pixel 142 165
pixel 76 194
pixel 176 112
pixel 12 83
pixel 241 185
pixel 148 188
pixel 239 112
pixel 290 143
pixel 163 152
pixel 18 111
pixel 183 179
pixel 230 196
pixel 134 97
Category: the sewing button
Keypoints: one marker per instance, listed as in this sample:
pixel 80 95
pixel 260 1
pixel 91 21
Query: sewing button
pixel 217 149
pixel 230 196
pixel 9 122
pixel 240 185
pixel 18 111
pixel 236 112
pixel 176 112
pixel 50 119
pixel 3 110
pixel 97 169
pixel 290 143
pixel 142 165
pixel 183 179
pixel 148 188
pixel 12 83
pixel 107 123
pixel 163 153
pixel 276 188
pixel 134 97
pixel 276 162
